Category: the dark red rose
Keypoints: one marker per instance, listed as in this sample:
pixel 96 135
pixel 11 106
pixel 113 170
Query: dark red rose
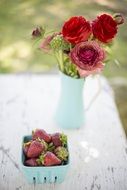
pixel 76 30
pixel 104 28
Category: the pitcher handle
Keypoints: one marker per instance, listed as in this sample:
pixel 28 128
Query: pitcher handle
pixel 96 94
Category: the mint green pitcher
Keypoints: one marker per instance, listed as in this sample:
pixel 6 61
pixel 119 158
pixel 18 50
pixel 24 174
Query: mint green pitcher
pixel 70 110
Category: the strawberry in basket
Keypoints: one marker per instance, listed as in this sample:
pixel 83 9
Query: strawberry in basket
pixel 44 149
pixel 48 159
pixel 41 134
pixel 59 139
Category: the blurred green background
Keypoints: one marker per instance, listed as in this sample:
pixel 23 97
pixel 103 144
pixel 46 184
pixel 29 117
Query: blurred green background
pixel 19 54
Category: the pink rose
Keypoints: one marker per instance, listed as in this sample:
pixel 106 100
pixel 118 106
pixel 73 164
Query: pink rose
pixel 45 45
pixel 88 57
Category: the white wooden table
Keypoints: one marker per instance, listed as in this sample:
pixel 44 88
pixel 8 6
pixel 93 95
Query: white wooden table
pixel 98 150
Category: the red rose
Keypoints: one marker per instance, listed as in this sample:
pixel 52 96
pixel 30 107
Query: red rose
pixel 104 28
pixel 76 30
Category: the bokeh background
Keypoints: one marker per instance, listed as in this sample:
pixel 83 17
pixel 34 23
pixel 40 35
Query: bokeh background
pixel 19 54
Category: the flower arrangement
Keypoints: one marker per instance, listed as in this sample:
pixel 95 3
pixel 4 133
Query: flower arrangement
pixel 80 46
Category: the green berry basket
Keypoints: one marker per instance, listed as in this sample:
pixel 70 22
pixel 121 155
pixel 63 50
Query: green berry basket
pixel 43 174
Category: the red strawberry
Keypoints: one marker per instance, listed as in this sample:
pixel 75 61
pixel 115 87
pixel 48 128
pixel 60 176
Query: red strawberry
pixel 26 147
pixel 31 162
pixel 59 139
pixel 41 134
pixel 56 139
pixel 49 159
pixel 35 149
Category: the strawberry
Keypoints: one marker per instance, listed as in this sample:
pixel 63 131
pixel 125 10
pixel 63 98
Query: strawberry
pixel 61 153
pixel 31 162
pixel 26 147
pixel 56 139
pixel 35 149
pixel 59 139
pixel 48 159
pixel 41 134
pixel 43 142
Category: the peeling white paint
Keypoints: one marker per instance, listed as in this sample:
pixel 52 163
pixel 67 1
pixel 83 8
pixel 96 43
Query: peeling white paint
pixel 98 150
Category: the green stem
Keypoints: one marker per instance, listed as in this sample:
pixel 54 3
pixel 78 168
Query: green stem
pixel 61 60
pixel 57 58
pixel 52 31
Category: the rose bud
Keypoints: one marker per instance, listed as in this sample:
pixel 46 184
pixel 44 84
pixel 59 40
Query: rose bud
pixel 56 42
pixel 118 17
pixel 45 45
pixel 37 32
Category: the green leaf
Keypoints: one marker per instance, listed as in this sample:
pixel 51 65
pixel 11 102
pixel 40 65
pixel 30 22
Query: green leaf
pixel 63 139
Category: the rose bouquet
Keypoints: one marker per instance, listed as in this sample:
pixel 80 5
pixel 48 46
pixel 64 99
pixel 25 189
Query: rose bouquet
pixel 80 47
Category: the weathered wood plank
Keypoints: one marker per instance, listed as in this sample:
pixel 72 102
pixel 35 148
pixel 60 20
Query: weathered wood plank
pixel 98 150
